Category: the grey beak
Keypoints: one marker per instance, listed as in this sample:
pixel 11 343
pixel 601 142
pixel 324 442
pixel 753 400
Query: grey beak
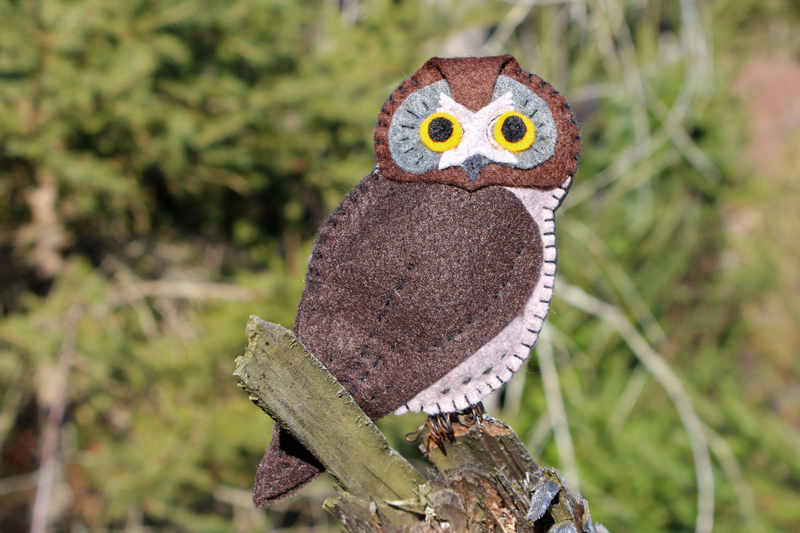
pixel 473 166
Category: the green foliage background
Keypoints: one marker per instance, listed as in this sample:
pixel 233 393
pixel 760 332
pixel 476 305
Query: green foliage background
pixel 164 165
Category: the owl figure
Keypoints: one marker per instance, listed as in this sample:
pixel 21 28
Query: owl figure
pixel 429 283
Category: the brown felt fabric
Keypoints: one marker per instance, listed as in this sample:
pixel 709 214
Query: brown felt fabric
pixel 407 280
pixel 466 74
pixel 469 80
pixel 285 468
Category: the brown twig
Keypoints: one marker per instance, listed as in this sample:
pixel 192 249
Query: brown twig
pixel 52 430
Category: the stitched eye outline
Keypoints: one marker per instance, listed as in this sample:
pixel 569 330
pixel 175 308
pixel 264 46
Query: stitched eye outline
pixel 440 128
pixel 510 122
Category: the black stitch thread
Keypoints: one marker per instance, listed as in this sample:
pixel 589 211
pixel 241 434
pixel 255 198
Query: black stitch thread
pixel 392 345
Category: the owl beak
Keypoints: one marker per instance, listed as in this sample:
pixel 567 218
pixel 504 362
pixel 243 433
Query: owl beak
pixel 473 165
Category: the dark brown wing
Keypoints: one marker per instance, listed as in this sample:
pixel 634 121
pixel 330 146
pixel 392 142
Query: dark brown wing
pixel 405 282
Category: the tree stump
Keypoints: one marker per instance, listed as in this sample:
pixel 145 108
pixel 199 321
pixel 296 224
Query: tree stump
pixel 484 479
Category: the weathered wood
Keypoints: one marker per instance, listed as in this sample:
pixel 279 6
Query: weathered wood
pixel 489 444
pixel 484 480
pixel 290 385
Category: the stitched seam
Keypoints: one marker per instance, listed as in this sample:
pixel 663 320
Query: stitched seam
pixel 478 381
pixel 381 314
pixel 322 245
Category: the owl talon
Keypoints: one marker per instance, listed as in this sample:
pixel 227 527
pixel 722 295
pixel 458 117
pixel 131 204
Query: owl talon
pixel 440 426
pixel 413 436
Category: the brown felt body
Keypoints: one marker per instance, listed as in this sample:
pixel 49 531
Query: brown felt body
pixel 471 81
pixel 406 281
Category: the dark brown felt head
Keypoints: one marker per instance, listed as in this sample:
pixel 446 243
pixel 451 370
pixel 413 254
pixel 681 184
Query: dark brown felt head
pixel 471 81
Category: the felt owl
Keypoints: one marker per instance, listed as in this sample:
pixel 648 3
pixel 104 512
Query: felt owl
pixel 429 283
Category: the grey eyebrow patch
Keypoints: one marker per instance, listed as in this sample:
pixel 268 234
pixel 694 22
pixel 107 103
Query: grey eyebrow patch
pixel 536 109
pixel 408 151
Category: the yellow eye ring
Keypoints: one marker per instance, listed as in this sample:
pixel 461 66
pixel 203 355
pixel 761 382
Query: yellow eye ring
pixel 514 131
pixel 440 132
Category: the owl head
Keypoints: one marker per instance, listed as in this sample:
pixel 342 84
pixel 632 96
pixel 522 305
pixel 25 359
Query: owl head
pixel 474 122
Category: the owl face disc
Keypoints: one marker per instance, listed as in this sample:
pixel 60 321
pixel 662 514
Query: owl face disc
pixel 442 125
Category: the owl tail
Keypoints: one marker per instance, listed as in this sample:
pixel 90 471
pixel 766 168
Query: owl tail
pixel 286 468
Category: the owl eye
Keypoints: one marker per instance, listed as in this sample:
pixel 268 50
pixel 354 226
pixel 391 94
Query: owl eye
pixel 440 132
pixel 514 131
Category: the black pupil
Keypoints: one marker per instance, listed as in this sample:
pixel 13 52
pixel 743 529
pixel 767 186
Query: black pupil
pixel 440 129
pixel 514 129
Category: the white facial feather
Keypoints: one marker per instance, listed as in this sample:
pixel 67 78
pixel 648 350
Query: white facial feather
pixel 477 136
